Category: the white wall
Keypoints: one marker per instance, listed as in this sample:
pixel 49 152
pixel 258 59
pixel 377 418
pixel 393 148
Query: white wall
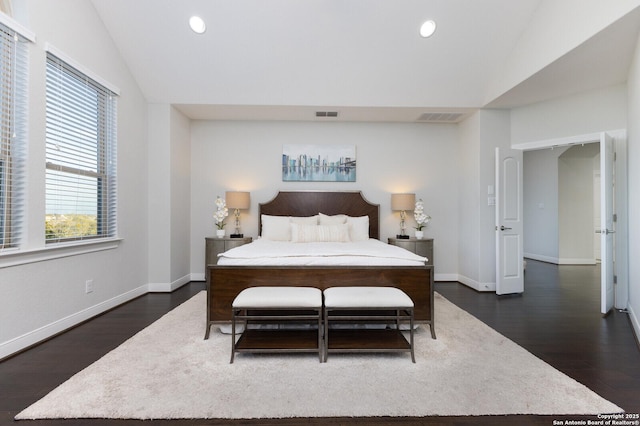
pixel 494 133
pixel 541 228
pixel 169 214
pixel 575 206
pixel 468 201
pixel 40 299
pixel 180 199
pixel 159 193
pixel 588 112
pixel 480 134
pixel 548 37
pixel 419 158
pixel 633 156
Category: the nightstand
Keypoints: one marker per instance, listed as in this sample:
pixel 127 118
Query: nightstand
pixel 215 246
pixel 421 247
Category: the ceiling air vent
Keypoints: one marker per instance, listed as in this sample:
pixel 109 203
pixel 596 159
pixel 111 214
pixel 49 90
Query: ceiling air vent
pixel 327 114
pixel 440 117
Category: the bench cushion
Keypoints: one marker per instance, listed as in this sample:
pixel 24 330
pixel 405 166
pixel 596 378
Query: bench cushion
pixel 366 297
pixel 278 297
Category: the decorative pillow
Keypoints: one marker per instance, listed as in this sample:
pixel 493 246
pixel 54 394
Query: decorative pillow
pixel 338 219
pixel 319 233
pixel 276 228
pixel 358 228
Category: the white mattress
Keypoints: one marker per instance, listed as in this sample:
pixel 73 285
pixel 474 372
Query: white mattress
pixel 372 252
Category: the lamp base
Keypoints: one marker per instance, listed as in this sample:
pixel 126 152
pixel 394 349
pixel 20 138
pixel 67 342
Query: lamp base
pixel 236 236
pixel 401 237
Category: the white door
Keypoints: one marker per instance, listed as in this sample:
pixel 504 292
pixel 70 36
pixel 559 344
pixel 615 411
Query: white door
pixel 509 257
pixel 607 158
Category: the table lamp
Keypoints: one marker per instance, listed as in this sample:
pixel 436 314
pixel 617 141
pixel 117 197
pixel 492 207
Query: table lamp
pixel 402 203
pixel 237 200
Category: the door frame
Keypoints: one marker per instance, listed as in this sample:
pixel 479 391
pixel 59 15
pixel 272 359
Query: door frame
pixel 607 222
pixel 620 195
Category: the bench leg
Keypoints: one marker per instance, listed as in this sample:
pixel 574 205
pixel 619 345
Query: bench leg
pixel 320 336
pixel 413 356
pixel 326 335
pixel 233 334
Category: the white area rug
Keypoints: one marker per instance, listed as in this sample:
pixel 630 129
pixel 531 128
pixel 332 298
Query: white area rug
pixel 168 371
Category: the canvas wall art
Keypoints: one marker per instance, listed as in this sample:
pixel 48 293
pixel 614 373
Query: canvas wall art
pixel 318 163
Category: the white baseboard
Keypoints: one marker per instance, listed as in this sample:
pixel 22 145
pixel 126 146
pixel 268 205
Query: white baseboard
pixel 635 323
pixel 36 336
pixel 561 260
pixel 582 261
pixel 169 287
pixel 476 285
pixel 197 276
pixel 542 258
pixel 445 277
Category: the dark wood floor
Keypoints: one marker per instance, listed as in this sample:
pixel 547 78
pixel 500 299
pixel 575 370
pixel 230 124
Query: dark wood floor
pixel 556 319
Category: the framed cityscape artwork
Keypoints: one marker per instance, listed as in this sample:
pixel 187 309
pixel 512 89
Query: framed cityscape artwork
pixel 318 163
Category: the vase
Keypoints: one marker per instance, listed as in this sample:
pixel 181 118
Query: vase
pixel 220 233
pixel 419 234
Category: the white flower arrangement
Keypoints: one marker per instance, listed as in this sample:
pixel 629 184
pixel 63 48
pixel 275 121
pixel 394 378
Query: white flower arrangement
pixel 221 212
pixel 418 214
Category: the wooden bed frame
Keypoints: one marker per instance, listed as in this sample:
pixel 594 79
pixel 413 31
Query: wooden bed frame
pixel 225 282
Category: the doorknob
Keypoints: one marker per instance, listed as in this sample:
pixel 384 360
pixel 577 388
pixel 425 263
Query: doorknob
pixel 502 228
pixel 605 232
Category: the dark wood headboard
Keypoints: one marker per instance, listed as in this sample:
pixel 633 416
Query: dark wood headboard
pixel 309 203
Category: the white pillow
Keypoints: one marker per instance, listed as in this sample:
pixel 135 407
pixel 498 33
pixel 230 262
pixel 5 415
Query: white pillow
pixel 319 233
pixel 358 228
pixel 276 228
pixel 338 219
pixel 310 220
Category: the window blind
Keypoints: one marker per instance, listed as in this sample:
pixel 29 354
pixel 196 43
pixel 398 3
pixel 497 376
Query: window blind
pixel 13 115
pixel 80 155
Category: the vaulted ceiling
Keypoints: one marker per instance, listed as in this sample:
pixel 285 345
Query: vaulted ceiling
pixel 287 59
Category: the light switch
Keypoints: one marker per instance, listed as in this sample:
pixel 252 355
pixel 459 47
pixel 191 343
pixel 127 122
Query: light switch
pixel 490 190
pixel 491 201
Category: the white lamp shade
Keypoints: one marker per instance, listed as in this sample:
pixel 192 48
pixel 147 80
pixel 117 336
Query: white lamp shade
pixel 400 202
pixel 237 200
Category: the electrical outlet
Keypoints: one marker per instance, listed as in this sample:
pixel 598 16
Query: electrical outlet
pixel 88 286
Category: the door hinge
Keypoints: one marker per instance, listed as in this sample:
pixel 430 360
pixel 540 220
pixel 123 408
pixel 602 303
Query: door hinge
pixel 615 279
pixel 615 217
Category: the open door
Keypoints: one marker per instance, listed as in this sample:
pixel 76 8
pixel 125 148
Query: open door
pixel 607 230
pixel 509 246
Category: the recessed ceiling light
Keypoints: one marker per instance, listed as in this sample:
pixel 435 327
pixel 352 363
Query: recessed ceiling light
pixel 428 28
pixel 197 24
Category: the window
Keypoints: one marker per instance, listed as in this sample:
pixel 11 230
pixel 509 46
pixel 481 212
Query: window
pixel 81 155
pixel 13 103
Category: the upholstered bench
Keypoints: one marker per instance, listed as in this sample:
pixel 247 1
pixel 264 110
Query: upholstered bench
pixel 365 305
pixel 278 305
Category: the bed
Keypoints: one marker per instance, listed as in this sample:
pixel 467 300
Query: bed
pixel 225 281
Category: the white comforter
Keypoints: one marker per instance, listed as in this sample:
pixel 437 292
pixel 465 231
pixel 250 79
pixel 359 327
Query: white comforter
pixel 278 253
